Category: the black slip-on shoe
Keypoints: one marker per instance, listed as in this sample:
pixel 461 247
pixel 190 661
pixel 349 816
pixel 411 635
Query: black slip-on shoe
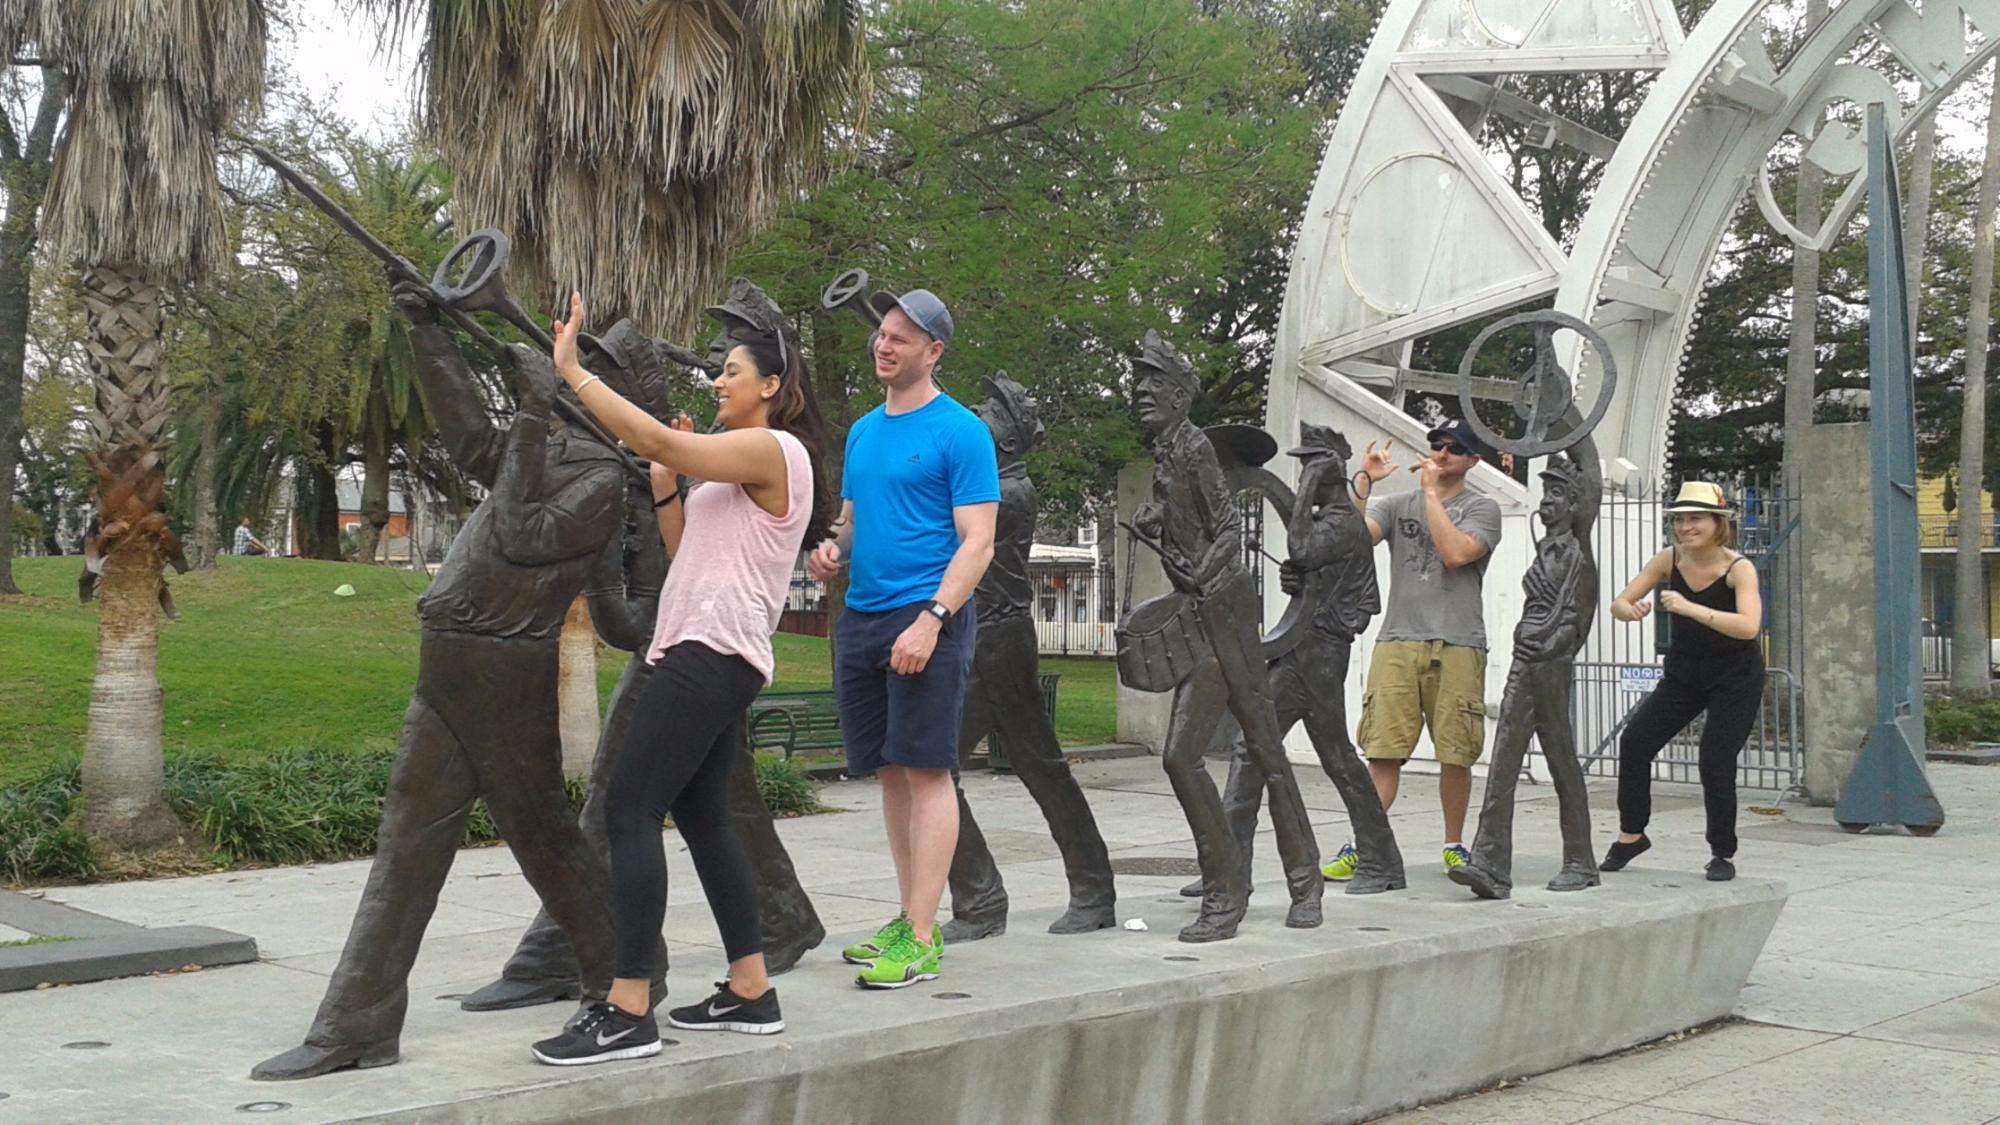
pixel 1621 853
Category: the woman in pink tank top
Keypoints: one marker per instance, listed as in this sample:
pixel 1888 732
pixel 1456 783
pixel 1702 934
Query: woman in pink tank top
pixel 733 539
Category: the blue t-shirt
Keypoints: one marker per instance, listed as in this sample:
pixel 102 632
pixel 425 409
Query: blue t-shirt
pixel 905 473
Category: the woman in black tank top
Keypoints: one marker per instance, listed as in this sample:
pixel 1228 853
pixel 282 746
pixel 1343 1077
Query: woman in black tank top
pixel 1714 666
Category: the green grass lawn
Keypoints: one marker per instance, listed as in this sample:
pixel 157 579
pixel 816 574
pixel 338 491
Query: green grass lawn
pixel 265 656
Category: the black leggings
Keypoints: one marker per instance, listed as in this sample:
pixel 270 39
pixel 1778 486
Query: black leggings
pixel 1732 704
pixel 676 760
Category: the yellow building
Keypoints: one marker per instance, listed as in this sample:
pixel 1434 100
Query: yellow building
pixel 1937 536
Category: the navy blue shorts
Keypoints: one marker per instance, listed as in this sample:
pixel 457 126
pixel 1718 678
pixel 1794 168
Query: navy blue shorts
pixel 889 719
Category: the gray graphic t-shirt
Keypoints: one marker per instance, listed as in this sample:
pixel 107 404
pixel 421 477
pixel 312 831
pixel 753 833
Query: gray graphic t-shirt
pixel 1429 601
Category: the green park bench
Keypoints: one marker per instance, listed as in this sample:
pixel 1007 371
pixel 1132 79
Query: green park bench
pixel 795 721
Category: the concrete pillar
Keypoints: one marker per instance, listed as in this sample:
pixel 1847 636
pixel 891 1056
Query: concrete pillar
pixel 1839 597
pixel 1142 715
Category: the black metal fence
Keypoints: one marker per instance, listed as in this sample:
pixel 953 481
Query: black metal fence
pixel 1622 660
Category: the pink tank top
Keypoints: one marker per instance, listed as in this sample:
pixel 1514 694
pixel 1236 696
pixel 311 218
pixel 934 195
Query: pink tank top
pixel 726 588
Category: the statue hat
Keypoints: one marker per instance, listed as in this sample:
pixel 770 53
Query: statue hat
pixel 1320 441
pixel 749 308
pixel 1156 353
pixel 1016 407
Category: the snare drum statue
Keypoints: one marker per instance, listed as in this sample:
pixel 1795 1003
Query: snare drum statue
pixel 1203 641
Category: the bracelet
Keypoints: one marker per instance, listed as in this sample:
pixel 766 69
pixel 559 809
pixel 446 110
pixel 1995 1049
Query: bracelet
pixel 588 380
pixel 667 499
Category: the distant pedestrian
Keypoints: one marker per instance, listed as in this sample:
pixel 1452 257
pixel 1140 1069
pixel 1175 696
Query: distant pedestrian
pixel 246 543
pixel 922 492
pixel 1714 666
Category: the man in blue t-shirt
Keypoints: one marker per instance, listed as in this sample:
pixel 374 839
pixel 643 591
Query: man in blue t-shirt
pixel 921 491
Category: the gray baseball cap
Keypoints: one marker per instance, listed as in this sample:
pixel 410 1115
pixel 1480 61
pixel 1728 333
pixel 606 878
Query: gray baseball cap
pixel 922 306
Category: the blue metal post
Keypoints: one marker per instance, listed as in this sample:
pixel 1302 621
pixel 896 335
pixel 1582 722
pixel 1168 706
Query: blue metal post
pixel 1888 785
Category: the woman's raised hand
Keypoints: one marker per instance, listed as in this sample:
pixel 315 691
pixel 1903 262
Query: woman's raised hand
pixel 566 332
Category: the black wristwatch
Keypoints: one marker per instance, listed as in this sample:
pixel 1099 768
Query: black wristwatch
pixel 940 611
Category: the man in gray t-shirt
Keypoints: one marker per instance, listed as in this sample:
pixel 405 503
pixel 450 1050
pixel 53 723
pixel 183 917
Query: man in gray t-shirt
pixel 1428 668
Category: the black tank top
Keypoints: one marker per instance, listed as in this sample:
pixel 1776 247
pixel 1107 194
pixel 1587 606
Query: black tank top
pixel 1694 646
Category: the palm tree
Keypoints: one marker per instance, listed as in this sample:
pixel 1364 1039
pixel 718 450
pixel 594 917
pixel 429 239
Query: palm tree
pixel 626 144
pixel 134 202
pixel 1970 674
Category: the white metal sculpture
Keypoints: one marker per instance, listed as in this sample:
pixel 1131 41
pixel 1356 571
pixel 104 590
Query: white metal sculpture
pixel 1410 230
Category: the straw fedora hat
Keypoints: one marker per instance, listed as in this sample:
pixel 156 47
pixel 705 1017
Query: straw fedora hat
pixel 1702 497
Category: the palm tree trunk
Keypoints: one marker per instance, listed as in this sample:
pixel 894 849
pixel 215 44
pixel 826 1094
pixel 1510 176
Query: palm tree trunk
pixel 122 766
pixel 1801 370
pixel 207 535
pixel 374 494
pixel 1970 675
pixel 576 689
pixel 1917 220
pixel 1802 361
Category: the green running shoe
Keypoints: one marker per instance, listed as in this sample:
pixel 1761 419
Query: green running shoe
pixel 1345 861
pixel 865 952
pixel 904 961
pixel 1455 855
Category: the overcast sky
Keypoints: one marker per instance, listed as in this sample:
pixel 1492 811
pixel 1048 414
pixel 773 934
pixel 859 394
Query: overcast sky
pixel 335 58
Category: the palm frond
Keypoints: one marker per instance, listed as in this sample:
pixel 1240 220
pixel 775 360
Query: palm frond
pixel 626 144
pixel 152 85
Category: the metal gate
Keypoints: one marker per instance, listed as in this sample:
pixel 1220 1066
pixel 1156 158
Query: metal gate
pixel 1622 660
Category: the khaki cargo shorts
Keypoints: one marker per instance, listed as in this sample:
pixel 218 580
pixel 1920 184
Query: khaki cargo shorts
pixel 1413 684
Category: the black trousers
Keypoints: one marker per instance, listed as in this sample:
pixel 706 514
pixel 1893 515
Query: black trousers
pixel 786 915
pixel 677 759
pixel 1731 702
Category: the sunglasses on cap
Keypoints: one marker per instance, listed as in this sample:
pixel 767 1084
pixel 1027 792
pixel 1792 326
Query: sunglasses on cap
pixel 1450 447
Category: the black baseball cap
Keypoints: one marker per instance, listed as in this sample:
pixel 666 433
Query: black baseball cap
pixel 1459 432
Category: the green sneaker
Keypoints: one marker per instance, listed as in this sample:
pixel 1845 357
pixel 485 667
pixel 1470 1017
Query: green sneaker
pixel 904 961
pixel 1455 855
pixel 1343 865
pixel 865 952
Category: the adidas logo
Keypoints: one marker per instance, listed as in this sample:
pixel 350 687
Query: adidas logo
pixel 915 459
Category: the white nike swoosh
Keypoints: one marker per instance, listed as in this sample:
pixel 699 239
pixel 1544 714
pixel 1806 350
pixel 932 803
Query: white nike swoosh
pixel 714 1011
pixel 604 1040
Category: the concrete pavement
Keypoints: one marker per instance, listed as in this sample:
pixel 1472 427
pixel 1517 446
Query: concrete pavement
pixel 1877 998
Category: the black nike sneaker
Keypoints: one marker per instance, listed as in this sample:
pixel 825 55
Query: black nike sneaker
pixel 600 1032
pixel 726 1011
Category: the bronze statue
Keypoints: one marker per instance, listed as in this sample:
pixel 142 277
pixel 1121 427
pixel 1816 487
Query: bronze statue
pixel 624 594
pixel 482 719
pixel 1202 641
pixel 1560 591
pixel 1332 565
pixel 1559 597
pixel 1003 699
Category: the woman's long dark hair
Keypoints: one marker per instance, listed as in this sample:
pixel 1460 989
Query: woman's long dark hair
pixel 795 410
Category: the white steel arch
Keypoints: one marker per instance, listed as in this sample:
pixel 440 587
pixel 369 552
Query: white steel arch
pixel 1409 230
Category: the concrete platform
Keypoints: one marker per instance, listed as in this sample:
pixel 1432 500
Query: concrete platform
pixel 1427 991
pixel 1400 999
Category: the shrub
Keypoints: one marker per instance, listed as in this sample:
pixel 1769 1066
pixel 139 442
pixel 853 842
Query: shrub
pixel 38 836
pixel 786 790
pixel 1948 719
pixel 298 805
